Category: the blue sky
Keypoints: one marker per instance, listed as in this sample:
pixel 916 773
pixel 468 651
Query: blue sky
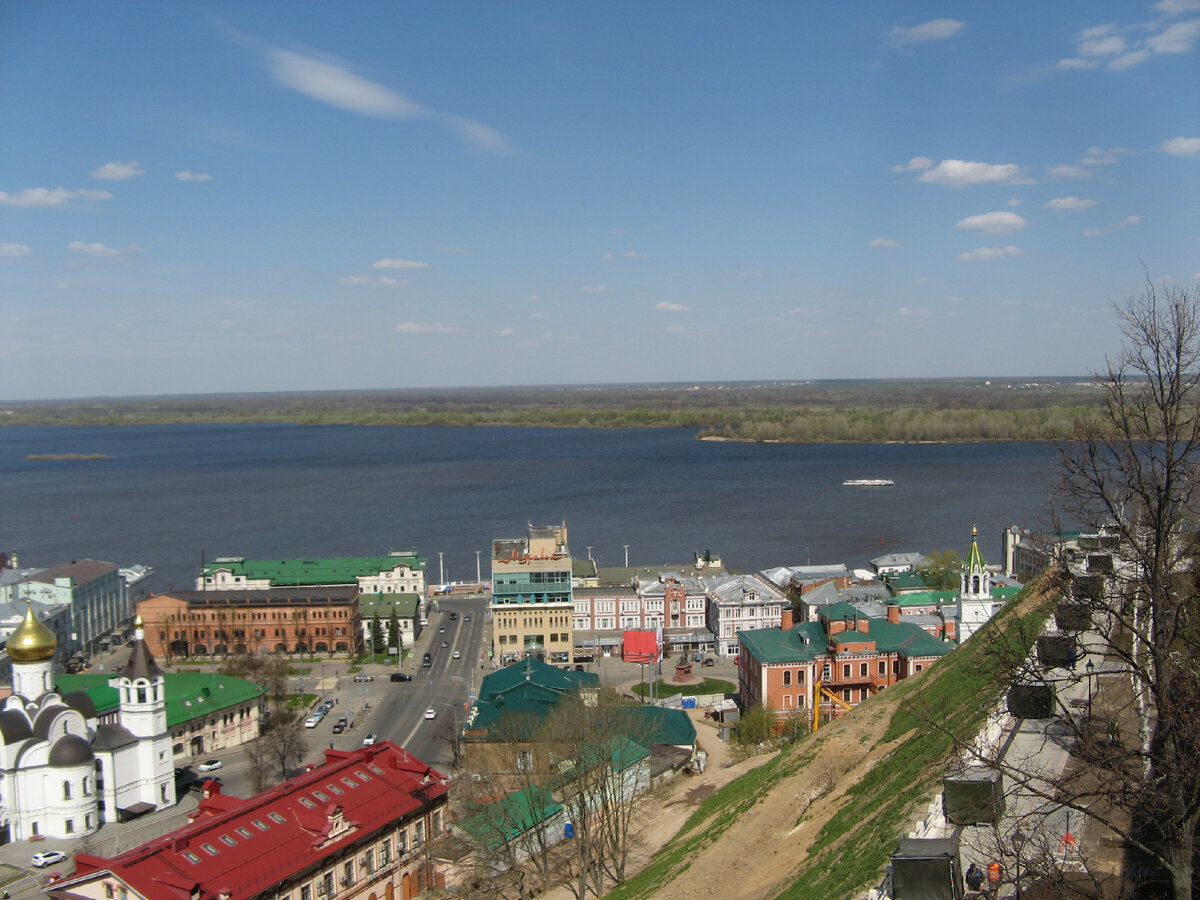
pixel 269 196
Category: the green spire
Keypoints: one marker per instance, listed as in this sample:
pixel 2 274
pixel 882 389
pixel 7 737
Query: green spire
pixel 975 561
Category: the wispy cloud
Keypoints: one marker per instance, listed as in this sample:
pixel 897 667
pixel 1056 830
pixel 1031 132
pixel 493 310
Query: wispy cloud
pixel 11 250
pixel 1068 171
pixel 1070 203
pixel 185 175
pixel 399 264
pixel 506 332
pixel 1181 146
pixel 667 306
pixel 332 82
pixel 50 198
pixel 1177 38
pixel 985 253
pixel 883 242
pixel 92 249
pixel 1097 156
pixel 964 173
pixel 431 328
pixel 1127 222
pixel 916 164
pixel 634 254
pixel 993 223
pixel 118 171
pixel 364 281
pixel 1116 48
pixel 908 311
pixel 933 30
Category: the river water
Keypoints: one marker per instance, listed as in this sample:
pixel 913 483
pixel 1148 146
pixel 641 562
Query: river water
pixel 169 496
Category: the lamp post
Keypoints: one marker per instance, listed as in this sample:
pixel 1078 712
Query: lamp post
pixel 1018 844
pixel 1091 667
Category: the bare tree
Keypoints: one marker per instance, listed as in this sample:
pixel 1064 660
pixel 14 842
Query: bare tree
pixel 284 741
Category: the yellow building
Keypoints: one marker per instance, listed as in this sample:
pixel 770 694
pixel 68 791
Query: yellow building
pixel 532 605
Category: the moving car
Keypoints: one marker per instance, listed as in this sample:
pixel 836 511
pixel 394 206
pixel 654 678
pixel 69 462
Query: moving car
pixel 431 713
pixel 442 630
pixel 209 765
pixel 370 739
pixel 467 617
pixel 427 662
pixel 47 858
pixel 363 677
pixel 445 644
pixel 457 655
pixel 453 617
pixel 400 676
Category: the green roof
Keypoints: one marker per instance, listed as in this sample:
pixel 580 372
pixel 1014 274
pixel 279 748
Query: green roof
pixel 189 696
pixel 661 725
pixel 777 645
pixel 493 824
pixel 296 572
pixel 927 598
pixel 405 605
pixel 906 581
pixel 527 687
pixel 892 637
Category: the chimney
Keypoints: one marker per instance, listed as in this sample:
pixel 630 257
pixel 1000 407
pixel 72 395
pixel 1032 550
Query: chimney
pixel 894 613
pixel 788 621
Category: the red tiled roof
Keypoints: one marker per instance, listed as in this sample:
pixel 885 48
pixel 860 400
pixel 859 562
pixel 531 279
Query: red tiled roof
pixel 240 846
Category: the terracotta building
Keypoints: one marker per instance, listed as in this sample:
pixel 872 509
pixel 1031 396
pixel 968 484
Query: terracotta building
pixel 276 620
pixel 362 826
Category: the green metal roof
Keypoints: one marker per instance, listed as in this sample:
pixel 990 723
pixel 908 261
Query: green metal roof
pixel 776 645
pixel 974 561
pixel 405 605
pixel 189 696
pixel 535 671
pixel 501 821
pixel 906 581
pixel 926 598
pixel 660 725
pixel 296 572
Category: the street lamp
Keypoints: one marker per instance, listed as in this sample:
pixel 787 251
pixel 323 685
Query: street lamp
pixel 1018 843
pixel 1091 667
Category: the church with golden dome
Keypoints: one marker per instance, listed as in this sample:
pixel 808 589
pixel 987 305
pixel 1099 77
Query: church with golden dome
pixel 63 772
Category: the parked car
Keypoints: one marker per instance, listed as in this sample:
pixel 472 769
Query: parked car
pixel 363 677
pixel 400 676
pixel 709 661
pixel 209 765
pixel 339 728
pixel 312 721
pixel 47 858
pixel 370 739
pixel 457 655
pixel 431 713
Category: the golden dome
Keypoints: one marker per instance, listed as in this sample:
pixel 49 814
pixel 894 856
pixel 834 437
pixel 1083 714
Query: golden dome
pixel 31 641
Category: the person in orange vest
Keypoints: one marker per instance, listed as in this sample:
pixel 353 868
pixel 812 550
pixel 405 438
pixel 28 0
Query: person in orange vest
pixel 994 877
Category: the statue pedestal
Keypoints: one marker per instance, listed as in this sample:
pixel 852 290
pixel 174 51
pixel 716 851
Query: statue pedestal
pixel 683 672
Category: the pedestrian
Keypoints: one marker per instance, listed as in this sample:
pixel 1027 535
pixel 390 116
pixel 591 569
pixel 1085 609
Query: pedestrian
pixel 974 878
pixel 993 873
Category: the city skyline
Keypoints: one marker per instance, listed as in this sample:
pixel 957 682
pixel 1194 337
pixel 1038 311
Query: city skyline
pixel 222 197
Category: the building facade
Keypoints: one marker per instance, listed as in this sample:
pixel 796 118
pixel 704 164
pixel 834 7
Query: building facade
pixel 97 595
pixel 396 573
pixel 532 601
pixel 365 824
pixel 738 603
pixel 185 624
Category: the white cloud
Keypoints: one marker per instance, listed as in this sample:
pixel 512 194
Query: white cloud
pixel 982 253
pixel 1068 172
pixel 882 242
pixel 11 250
pixel 1092 232
pixel 1097 156
pixel 399 264
pixel 506 332
pixel 185 175
pixel 596 289
pixel 1064 203
pixel 1076 63
pixel 993 223
pixel 1181 146
pixel 933 30
pixel 533 298
pixel 1014 202
pixel 1127 222
pixel 954 299
pixel 915 164
pixel 1177 7
pixel 432 328
pixel 1109 45
pixel 50 198
pixel 962 173
pixel 364 281
pixel 1177 38
pixel 118 171
pixel 333 83
pixel 1128 60
pixel 633 254
pixel 92 249
pixel 666 306
pixel 906 311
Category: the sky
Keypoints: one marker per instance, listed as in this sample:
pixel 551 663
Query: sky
pixel 293 196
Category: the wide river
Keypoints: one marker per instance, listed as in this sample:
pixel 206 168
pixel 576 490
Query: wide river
pixel 170 496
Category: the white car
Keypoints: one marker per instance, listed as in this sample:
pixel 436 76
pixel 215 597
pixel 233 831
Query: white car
pixel 370 739
pixel 209 765
pixel 457 655
pixel 48 858
pixel 312 722
pixel 431 713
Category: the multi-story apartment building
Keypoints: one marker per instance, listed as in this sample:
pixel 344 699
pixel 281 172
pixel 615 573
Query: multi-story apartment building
pixel 363 825
pixel 532 606
pixel 95 591
pixel 739 603
pixel 280 620
pixel 396 573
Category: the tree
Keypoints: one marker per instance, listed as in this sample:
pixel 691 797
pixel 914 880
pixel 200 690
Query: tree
pixel 941 570
pixel 394 639
pixel 1131 476
pixel 284 741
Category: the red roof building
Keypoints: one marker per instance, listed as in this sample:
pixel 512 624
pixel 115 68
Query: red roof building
pixel 354 828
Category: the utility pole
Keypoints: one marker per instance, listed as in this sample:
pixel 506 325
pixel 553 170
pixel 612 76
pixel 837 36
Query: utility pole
pixel 626 555
pixel 441 569
pixel 478 574
pixel 589 552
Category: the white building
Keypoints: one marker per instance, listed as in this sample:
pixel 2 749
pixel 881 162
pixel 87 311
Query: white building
pixel 96 593
pixel 62 772
pixel 741 603
pixel 976 605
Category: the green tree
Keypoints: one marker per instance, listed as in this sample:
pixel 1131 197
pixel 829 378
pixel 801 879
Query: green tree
pixel 394 639
pixel 941 570
pixel 377 642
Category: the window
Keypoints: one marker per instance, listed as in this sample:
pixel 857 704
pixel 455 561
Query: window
pixel 108 890
pixel 826 672
pixel 66 790
pixel 787 678
pixel 209 849
pixel 419 834
pixel 385 853
pixel 524 760
pixel 437 821
pixel 305 892
pixel 276 817
pixel 369 861
pixel 226 839
pixel 883 667
pixel 327 884
pixel 348 872
pixel 70 826
pixel 862 670
pixel 244 832
pixel 402 841
pixel 846 670
pixel 918 667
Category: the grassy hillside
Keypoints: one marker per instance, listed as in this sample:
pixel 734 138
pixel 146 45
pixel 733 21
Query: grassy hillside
pixel 819 820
